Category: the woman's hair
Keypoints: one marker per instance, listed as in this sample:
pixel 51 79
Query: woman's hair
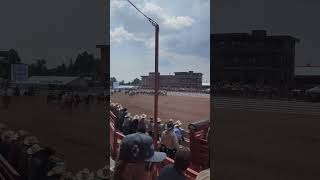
pixel 182 159
pixel 118 170
pixel 142 126
pixel 131 171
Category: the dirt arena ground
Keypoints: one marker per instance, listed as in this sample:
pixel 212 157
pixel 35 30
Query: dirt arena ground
pixel 264 146
pixel 184 108
pixel 81 137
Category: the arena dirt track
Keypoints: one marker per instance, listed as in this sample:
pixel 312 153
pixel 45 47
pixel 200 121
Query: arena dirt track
pixel 81 137
pixel 183 108
pixel 264 146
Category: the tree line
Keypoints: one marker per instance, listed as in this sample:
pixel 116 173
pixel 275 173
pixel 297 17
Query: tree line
pixel 84 65
pixel 134 82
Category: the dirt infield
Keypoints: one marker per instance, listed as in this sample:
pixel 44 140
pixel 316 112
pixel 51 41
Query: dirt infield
pixel 81 137
pixel 264 146
pixel 183 108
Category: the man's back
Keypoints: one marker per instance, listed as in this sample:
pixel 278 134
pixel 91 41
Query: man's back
pixel 170 140
pixel 169 172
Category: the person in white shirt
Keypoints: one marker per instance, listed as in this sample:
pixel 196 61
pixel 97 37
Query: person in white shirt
pixel 169 140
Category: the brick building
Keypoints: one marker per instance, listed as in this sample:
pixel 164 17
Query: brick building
pixel 253 58
pixel 178 80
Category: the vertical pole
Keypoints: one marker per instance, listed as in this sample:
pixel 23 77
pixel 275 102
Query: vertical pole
pixel 156 88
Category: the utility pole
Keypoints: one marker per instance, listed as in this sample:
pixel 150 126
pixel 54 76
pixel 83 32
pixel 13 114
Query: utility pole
pixel 156 77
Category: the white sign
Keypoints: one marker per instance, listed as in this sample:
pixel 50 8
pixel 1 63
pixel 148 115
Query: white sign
pixel 19 72
pixel 115 84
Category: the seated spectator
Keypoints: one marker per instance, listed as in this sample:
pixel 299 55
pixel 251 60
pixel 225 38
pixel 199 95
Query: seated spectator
pixel 169 141
pixel 85 174
pixel 150 127
pixel 68 176
pixel 126 124
pixel 23 155
pixel 142 126
pixel 56 172
pixel 7 138
pixel 176 171
pixel 134 124
pixel 137 158
pixel 38 161
pixel 104 173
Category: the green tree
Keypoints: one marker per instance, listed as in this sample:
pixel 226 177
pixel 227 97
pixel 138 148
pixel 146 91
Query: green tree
pixel 122 82
pixel 136 82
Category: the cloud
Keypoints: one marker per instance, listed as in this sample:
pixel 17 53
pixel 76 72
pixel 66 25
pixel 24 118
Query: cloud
pixel 178 22
pixel 120 34
pixel 183 39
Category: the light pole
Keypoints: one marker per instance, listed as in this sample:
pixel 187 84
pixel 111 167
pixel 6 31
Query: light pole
pixel 156 76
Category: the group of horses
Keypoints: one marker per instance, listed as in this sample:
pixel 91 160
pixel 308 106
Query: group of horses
pixel 71 99
pixel 145 92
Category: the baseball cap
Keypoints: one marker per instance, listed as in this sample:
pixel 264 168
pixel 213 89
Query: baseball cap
pixel 139 147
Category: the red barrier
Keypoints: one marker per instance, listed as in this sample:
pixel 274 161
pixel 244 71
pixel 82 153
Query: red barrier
pixel 115 140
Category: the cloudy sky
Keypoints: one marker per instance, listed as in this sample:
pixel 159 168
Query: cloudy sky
pixel 184 37
pixel 54 30
pixel 297 18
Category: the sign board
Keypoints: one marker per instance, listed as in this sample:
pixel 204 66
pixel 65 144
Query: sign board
pixel 19 72
pixel 115 84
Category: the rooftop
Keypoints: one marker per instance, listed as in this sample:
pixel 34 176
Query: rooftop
pixel 307 71
pixel 254 34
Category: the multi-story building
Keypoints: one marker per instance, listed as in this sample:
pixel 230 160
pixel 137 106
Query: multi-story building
pixel 253 58
pixel 178 80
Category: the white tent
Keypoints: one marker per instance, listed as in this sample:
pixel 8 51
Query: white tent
pixel 56 80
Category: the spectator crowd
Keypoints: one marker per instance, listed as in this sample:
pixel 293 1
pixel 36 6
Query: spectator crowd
pixel 138 158
pixel 33 161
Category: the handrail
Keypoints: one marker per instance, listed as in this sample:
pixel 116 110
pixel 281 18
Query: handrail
pixel 116 137
pixel 7 170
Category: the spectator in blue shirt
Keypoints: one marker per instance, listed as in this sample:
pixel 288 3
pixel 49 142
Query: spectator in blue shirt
pixel 178 131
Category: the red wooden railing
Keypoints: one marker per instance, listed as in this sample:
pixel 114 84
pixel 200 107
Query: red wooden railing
pixel 115 140
pixel 7 172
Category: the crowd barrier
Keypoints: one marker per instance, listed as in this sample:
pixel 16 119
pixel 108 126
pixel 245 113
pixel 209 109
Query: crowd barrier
pixel 7 172
pixel 115 140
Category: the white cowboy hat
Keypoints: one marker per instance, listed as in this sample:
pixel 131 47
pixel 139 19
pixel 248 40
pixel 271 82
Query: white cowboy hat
pixel 128 115
pixel 68 176
pixel 159 120
pixel 143 116
pixel 22 132
pixel 34 148
pixel 104 173
pixel 136 117
pixel 57 170
pixel 85 174
pixel 8 136
pixel 30 140
pixel 204 175
pixel 178 123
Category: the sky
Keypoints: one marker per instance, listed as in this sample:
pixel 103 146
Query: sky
pixel 54 30
pixel 297 18
pixel 184 39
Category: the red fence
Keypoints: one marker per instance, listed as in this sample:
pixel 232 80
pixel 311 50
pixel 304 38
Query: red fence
pixel 7 172
pixel 115 140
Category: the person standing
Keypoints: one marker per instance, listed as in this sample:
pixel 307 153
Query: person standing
pixel 137 158
pixel 169 140
pixel 178 131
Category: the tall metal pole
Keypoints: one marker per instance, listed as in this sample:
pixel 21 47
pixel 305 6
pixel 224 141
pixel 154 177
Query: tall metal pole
pixel 156 77
pixel 156 87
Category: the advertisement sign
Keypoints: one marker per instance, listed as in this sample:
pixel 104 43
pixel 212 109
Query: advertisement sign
pixel 115 84
pixel 19 72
